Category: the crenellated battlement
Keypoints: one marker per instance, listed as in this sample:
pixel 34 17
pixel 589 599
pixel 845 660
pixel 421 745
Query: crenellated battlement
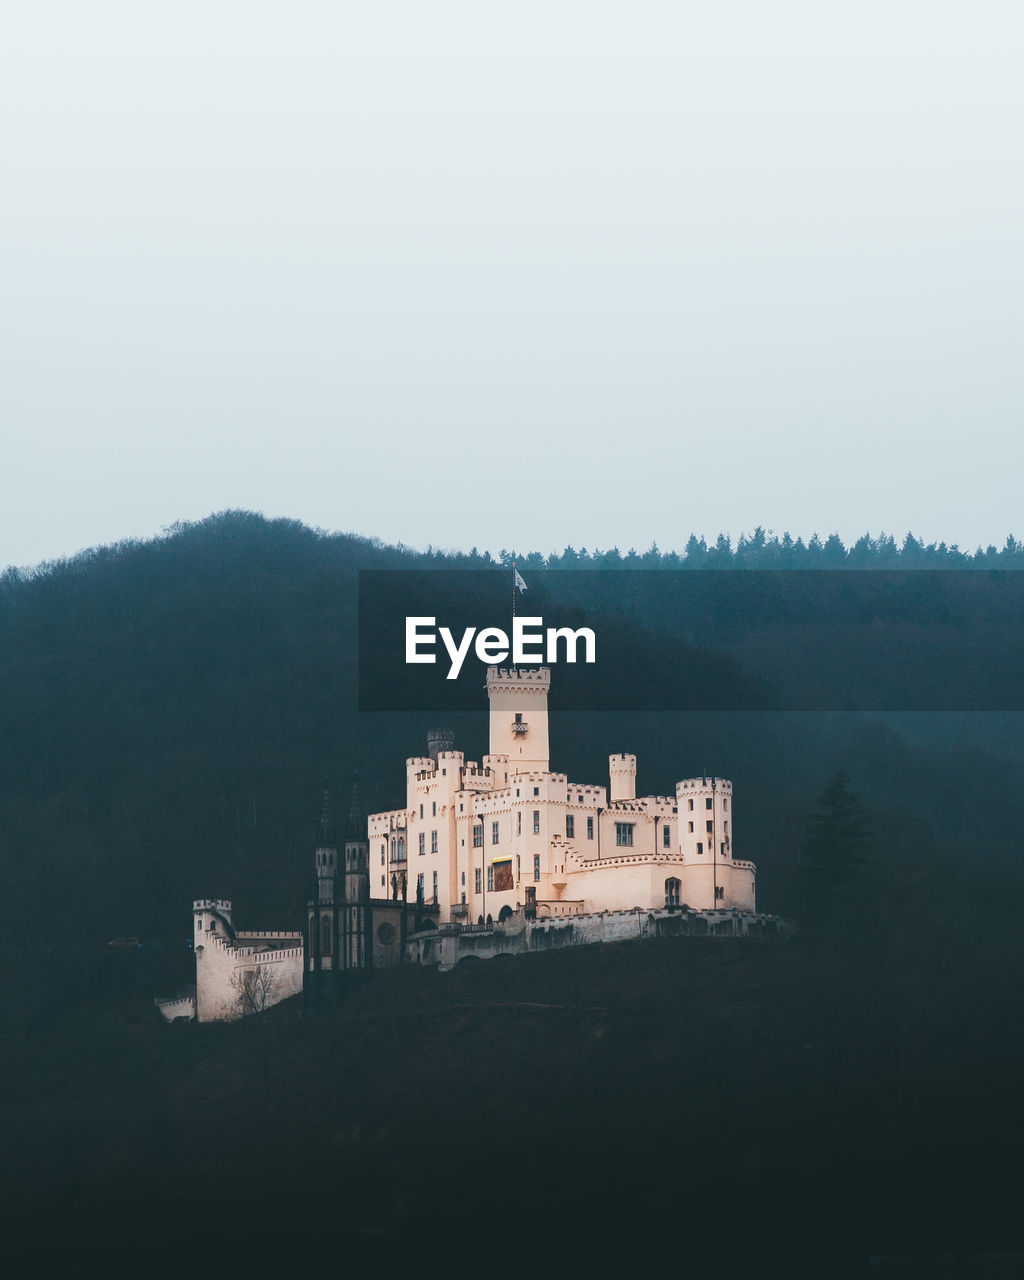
pixel 517 677
pixel 704 785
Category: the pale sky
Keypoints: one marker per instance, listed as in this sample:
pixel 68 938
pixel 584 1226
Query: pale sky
pixel 518 275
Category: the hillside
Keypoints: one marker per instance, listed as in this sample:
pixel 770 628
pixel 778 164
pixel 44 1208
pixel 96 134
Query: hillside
pixel 767 1099
pixel 168 712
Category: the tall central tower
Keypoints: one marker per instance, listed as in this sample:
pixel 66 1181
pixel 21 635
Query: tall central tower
pixel 519 717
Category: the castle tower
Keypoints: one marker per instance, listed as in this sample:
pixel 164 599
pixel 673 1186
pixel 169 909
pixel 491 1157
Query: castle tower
pixel 622 775
pixel 355 914
pixel 326 852
pixel 439 740
pixel 322 911
pixel 519 717
pixel 211 917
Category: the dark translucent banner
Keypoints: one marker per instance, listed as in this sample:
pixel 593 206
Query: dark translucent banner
pixel 685 640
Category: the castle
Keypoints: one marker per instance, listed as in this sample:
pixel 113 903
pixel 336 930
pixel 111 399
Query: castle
pixel 487 840
pixel 486 857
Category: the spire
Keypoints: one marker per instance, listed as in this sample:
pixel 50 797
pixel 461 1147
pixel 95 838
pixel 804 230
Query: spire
pixel 356 821
pixel 326 836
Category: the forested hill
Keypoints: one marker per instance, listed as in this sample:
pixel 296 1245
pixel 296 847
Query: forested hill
pixel 168 710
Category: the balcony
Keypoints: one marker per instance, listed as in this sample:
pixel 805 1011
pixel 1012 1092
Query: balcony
pixel 519 727
pixel 459 910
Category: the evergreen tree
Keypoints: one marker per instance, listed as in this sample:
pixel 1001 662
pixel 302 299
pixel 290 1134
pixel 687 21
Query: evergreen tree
pixel 838 840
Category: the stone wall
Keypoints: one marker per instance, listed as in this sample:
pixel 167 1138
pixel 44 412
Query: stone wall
pixel 448 945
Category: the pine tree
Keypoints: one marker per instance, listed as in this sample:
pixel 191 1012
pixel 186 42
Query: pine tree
pixel 838 841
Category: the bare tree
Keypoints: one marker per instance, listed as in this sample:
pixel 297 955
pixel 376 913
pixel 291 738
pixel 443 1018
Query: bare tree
pixel 256 988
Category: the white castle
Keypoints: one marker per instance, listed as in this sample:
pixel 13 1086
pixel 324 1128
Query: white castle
pixel 484 842
pixel 501 855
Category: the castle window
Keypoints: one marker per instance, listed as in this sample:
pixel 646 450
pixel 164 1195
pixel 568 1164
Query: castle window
pixel 478 835
pixel 709 803
pixel 517 791
pixel 519 822
pixel 726 825
pixel 423 843
pixel 463 880
pixel 590 828
pixel 433 842
pixel 401 848
pixel 435 809
pixel 666 836
pixel 700 847
pixel 421 811
pixel 570 826
pixel 382 884
pixel 536 791
pixel 579 799
pixel 536 822
pixel 690 827
pixel 477 879
pixel 723 848
pixel 490 878
pixel 536 866
pixel 624 833
pixel 673 892
pixel 494 833
pixel 719 892
pixel 325 937
pixel 419 882
pixel 383 856
pixel 690 803
pixel 709 825
pixel 725 803
pixel 435 886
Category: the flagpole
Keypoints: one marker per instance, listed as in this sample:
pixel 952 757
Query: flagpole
pixel 513 610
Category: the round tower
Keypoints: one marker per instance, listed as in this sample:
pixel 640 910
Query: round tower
pixel 439 740
pixel 622 776
pixel 211 918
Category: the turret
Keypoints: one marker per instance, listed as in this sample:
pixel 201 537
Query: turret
pixel 622 776
pixel 211 918
pixel 439 740
pixel 357 851
pixel 705 819
pixel 326 852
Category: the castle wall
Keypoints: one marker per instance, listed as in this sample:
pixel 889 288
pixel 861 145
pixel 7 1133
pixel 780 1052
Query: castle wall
pixel 221 962
pixel 183 1006
pixel 451 944
pixel 623 883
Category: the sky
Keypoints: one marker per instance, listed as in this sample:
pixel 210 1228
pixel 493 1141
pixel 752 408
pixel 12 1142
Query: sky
pixel 464 274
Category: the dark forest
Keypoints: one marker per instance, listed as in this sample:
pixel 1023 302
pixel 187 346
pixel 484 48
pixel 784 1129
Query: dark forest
pixel 168 711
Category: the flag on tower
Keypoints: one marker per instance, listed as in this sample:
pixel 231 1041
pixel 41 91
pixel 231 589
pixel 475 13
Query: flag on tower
pixel 519 580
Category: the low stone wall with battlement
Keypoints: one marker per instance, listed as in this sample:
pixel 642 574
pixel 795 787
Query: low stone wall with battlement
pixel 183 1005
pixel 451 943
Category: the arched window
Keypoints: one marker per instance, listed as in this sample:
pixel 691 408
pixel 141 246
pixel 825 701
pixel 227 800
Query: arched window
pixel 325 937
pixel 673 892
